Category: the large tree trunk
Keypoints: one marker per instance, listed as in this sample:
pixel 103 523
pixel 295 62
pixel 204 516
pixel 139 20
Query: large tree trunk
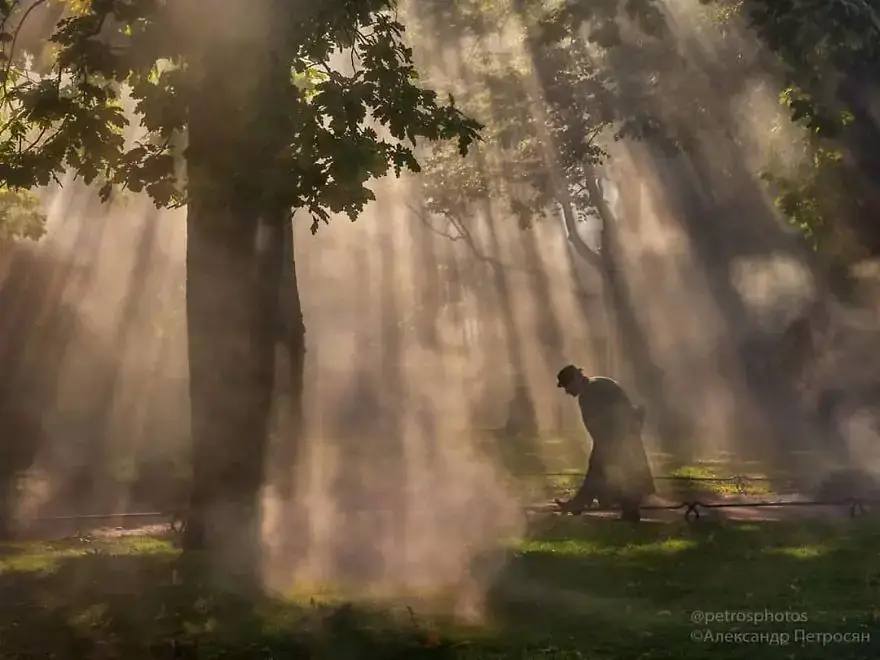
pixel 232 318
pixel 235 256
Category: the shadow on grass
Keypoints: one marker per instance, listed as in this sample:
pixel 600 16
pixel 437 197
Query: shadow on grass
pixel 122 599
pixel 573 588
pixel 631 592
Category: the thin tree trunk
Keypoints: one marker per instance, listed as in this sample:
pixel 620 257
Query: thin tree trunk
pixel 602 263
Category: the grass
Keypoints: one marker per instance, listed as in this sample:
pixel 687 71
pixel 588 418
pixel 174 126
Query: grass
pixel 571 589
pixel 717 478
pixel 709 478
pixel 552 466
pixel 630 593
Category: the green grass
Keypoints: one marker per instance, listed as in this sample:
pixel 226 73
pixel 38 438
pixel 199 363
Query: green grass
pixel 716 477
pixel 552 466
pixel 710 478
pixel 571 589
pixel 630 593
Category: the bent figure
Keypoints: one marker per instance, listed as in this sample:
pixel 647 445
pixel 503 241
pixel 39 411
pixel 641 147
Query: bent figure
pixel 618 471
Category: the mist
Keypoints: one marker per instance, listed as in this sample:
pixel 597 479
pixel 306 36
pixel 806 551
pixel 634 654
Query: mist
pixel 432 353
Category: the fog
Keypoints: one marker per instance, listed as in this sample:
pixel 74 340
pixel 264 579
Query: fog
pixel 431 355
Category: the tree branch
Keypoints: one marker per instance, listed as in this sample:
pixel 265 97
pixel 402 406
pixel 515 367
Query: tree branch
pixel 464 234
pixel 574 238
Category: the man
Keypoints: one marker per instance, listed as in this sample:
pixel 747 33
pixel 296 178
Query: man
pixel 618 471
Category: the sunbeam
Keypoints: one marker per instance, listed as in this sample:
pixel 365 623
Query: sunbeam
pixel 621 213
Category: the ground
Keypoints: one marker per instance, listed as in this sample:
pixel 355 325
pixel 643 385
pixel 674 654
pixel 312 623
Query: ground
pixel 573 588
pixel 723 475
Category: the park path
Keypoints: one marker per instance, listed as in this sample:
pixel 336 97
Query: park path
pixel 657 509
pixel 802 509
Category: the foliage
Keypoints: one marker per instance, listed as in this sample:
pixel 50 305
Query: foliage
pixel 21 215
pixel 823 47
pixel 817 42
pixel 512 158
pixel 552 105
pixel 342 129
pixel 816 196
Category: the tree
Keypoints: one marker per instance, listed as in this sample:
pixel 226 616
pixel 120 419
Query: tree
pixel 580 104
pixel 550 113
pixel 829 56
pixel 270 125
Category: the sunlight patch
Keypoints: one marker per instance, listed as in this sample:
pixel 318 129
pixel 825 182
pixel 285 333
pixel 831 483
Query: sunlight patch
pixel 801 552
pixel 663 547
pixel 35 563
pixel 47 557
pixel 583 547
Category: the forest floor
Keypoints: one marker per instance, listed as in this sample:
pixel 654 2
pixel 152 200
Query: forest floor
pixel 572 588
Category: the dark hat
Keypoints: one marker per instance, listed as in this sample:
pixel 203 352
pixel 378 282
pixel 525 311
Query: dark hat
pixel 567 374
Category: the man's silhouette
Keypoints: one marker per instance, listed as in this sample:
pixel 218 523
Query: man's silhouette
pixel 618 472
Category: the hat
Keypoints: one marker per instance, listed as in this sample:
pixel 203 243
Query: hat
pixel 567 374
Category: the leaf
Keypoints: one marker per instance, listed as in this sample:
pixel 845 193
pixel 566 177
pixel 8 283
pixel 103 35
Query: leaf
pixel 105 191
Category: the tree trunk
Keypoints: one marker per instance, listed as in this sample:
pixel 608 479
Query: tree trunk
pixel 232 319
pixel 290 530
pixel 293 338
pixel 235 256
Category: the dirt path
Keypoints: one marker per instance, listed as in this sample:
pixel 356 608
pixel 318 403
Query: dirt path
pixel 792 506
pixel 55 530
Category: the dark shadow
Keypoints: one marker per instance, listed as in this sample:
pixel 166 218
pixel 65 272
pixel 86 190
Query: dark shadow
pixel 574 587
pixel 840 78
pixel 623 591
pixel 132 605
